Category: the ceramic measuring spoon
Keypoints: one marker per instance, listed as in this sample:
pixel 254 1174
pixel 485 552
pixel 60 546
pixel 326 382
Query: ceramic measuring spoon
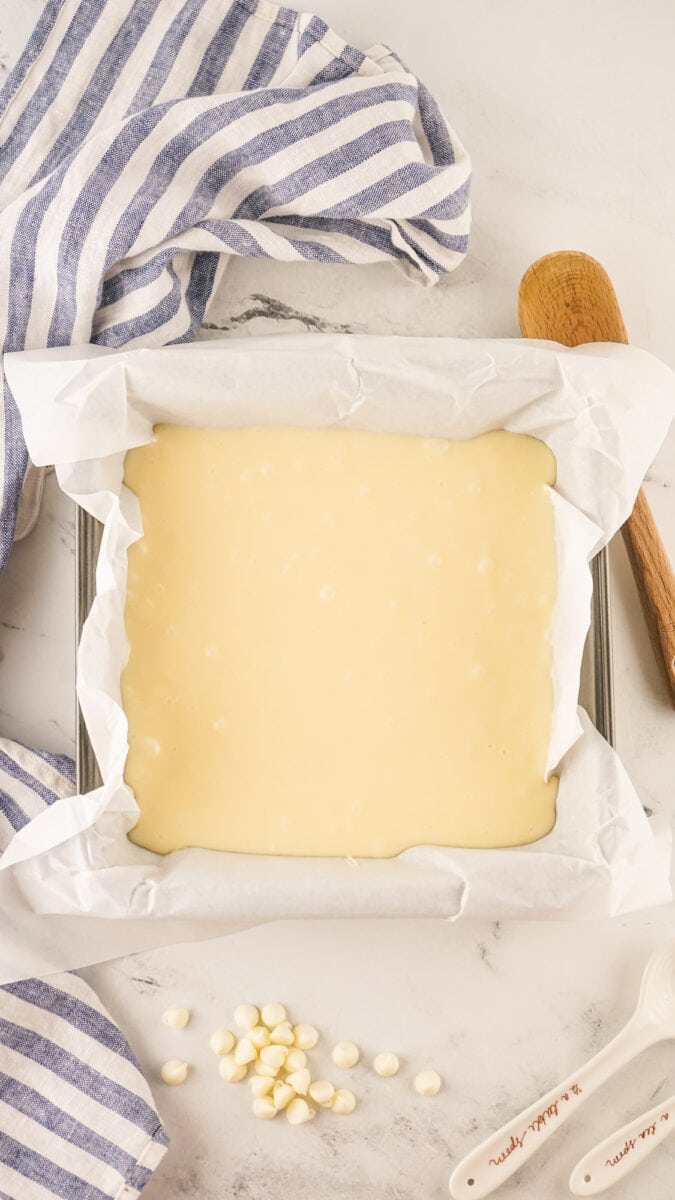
pixel 504 1152
pixel 621 1152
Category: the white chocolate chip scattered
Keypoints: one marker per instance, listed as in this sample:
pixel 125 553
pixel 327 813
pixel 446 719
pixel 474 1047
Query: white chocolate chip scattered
pixel 176 1018
pixel 295 1059
pixel 260 1085
pixel 305 1037
pixel 230 1070
pixel 222 1041
pixel 259 1036
pixel 272 1045
pixel 299 1111
pixel 273 1056
pixel 300 1081
pixel 346 1054
pixel 272 1015
pixel 282 1034
pixel 282 1095
pixel 174 1072
pixel 386 1064
pixel 322 1091
pixel 246 1016
pixel 245 1052
pixel 428 1083
pixel 263 1108
pixel 344 1102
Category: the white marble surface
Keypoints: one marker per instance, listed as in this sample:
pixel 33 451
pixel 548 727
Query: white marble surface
pixel 566 111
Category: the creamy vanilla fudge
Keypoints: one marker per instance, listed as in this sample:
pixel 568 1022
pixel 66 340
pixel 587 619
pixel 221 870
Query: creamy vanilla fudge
pixel 339 641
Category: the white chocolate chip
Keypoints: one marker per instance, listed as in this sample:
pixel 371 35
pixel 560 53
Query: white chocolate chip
pixel 346 1054
pixel 428 1083
pixel 344 1102
pixel 322 1091
pixel 299 1111
pixel 282 1034
pixel 174 1072
pixel 264 1108
pixel 300 1081
pixel 272 1015
pixel 386 1064
pixel 245 1052
pixel 305 1037
pixel 222 1041
pixel 295 1059
pixel 260 1085
pixel 266 1069
pixel 259 1036
pixel 246 1016
pixel 230 1070
pixel 282 1095
pixel 273 1056
pixel 176 1018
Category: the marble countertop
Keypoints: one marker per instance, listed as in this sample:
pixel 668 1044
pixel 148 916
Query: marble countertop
pixel 565 112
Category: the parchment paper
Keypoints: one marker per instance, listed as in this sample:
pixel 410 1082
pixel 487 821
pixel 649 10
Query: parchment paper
pixel 76 889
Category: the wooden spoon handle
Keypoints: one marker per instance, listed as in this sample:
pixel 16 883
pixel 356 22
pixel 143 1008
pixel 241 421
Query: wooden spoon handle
pixel 568 297
pixel 655 582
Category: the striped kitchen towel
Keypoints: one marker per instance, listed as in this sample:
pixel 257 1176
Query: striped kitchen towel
pixel 77 1119
pixel 143 142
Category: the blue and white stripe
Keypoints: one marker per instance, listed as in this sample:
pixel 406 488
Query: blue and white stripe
pixel 77 1119
pixel 143 142
pixel 29 782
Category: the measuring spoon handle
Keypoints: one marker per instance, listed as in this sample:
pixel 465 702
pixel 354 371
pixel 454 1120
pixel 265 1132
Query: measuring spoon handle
pixel 504 1152
pixel 621 1152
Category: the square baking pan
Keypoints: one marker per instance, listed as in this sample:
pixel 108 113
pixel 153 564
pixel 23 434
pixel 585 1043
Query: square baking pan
pixel 596 691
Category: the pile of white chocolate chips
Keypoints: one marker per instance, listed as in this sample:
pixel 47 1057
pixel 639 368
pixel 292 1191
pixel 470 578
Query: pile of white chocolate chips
pixel 275 1053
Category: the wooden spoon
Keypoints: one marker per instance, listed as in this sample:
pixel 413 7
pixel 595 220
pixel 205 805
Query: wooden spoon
pixel 568 297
